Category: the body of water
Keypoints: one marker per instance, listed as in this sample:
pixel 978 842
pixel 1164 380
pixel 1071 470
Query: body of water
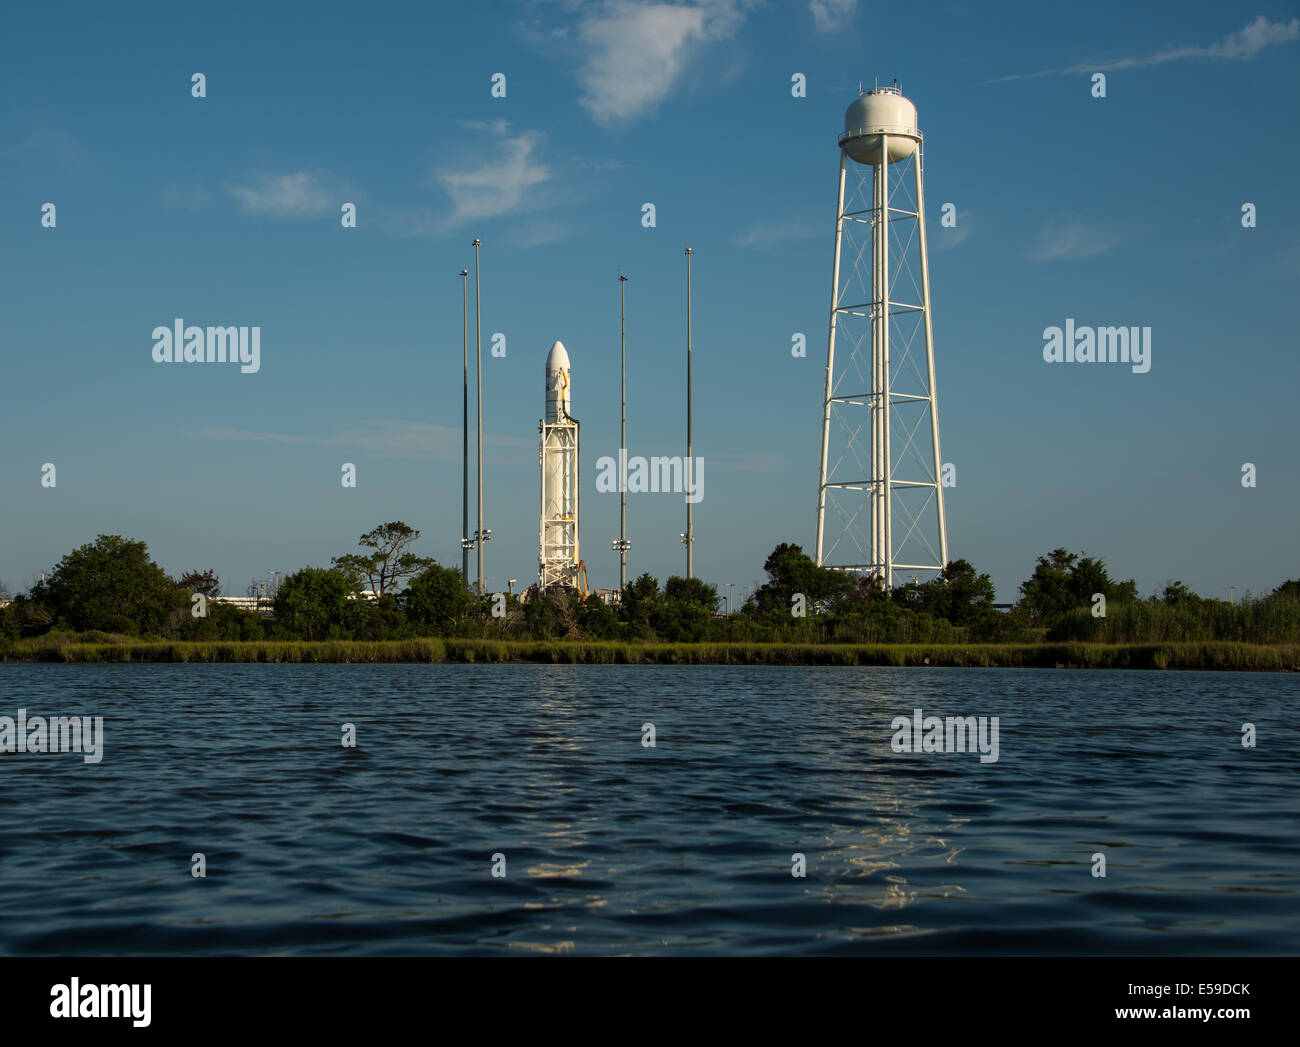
pixel 609 846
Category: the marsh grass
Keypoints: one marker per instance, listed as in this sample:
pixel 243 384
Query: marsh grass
pixel 1075 655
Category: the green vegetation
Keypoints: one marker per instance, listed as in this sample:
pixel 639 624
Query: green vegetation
pixel 389 560
pixel 1234 656
pixel 108 600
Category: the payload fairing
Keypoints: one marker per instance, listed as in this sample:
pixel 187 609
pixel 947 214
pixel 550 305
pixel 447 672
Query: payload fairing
pixel 559 561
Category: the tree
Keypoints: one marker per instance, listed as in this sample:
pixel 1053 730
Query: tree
pixel 1288 590
pixel 597 619
pixel 556 613
pixel 687 592
pixel 1063 582
pixel 113 585
pixel 389 563
pixel 686 609
pixel 377 619
pixel 314 602
pixel 205 582
pixel 1176 594
pixel 222 622
pixel 1046 593
pixel 958 595
pixel 438 597
pixel 791 571
pixel 640 603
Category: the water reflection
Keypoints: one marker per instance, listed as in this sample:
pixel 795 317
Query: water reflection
pixel 613 847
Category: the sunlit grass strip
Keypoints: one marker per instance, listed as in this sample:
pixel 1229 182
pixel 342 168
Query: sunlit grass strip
pixel 339 651
pixel 1226 656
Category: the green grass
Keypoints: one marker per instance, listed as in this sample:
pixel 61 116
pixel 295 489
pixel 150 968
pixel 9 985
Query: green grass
pixel 1208 655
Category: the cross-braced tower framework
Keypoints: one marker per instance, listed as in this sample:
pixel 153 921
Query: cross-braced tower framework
pixel 880 473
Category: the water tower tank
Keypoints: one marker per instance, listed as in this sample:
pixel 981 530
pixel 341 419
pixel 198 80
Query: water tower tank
pixel 883 110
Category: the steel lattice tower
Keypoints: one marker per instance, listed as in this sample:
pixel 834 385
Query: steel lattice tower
pixel 880 463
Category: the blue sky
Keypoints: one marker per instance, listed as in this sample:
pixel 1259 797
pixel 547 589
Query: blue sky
pixel 226 210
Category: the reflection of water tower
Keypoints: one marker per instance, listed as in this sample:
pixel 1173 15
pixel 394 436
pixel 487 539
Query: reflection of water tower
pixel 880 465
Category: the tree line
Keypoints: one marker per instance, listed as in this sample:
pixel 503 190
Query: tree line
pixel 111 587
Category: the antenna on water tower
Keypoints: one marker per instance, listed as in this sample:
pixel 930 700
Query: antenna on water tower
pixel 880 312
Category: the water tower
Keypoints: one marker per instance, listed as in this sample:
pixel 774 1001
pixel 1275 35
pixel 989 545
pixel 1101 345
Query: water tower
pixel 880 473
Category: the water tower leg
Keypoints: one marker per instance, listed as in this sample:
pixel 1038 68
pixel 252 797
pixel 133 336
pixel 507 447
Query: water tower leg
pixel 885 474
pixel 830 361
pixel 919 164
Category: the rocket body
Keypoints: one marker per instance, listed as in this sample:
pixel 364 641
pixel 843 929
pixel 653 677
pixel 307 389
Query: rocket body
pixel 558 396
pixel 558 529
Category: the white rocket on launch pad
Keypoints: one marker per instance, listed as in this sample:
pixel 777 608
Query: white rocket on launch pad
pixel 560 563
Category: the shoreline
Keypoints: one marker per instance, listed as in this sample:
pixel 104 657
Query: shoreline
pixel 1211 656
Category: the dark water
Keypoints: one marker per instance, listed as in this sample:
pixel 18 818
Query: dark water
pixel 612 847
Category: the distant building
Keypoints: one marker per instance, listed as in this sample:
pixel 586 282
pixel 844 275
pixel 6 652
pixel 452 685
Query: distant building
pixel 265 605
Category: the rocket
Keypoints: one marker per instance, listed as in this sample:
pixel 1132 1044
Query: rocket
pixel 559 562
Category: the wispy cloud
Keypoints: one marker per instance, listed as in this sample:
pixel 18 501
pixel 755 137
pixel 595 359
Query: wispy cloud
pixel 1242 45
pixel 299 194
pixel 390 439
pixel 948 237
pixel 498 182
pixel 830 15
pixel 1069 241
pixel 39 140
pixel 633 54
pixel 778 232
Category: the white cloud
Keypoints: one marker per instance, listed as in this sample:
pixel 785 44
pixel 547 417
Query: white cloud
pixel 1242 45
pixel 389 439
pixel 635 53
pixel 776 232
pixel 296 195
pixel 498 127
pixel 495 185
pixel 1068 241
pixel 287 195
pixel 948 237
pixel 829 15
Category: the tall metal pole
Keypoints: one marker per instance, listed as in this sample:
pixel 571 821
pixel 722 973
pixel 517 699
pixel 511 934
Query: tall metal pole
pixel 690 451
pixel 478 340
pixel 622 433
pixel 464 443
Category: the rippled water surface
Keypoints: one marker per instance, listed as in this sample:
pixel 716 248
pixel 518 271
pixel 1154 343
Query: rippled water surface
pixel 612 847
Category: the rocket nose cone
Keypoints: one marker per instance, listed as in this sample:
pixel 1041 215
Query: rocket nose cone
pixel 557 359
